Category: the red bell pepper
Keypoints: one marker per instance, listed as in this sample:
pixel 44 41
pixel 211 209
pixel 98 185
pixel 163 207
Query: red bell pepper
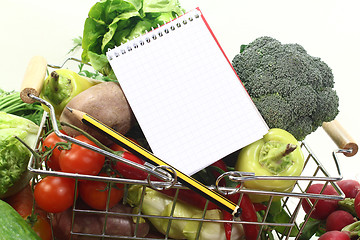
pixel 248 214
pixel 218 168
pixel 248 210
pixel 226 215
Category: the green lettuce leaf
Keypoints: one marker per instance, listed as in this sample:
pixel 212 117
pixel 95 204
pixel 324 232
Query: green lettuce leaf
pixel 113 22
pixel 14 156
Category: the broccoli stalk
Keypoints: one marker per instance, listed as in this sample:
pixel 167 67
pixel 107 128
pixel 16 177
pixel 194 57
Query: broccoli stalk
pixel 292 90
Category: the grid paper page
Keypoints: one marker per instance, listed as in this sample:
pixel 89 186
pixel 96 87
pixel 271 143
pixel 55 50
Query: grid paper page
pixel 185 95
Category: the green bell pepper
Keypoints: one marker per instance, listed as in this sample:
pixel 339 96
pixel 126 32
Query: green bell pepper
pixel 278 153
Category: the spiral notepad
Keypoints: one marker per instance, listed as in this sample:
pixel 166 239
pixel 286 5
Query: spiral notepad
pixel 188 100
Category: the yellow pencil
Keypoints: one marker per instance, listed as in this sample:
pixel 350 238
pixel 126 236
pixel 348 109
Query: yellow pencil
pixel 186 180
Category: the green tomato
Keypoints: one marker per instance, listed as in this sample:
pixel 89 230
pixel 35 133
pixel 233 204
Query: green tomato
pixel 278 153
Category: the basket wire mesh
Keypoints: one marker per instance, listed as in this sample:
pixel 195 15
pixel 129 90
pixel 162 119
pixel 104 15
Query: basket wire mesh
pixel 313 172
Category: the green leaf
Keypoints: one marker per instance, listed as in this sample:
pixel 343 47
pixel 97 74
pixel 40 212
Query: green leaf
pixel 277 214
pixel 111 23
pixel 311 228
pixel 14 156
pixel 242 48
pixel 10 102
pixel 77 43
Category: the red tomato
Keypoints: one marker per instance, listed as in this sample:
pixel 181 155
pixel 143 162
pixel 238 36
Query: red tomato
pixel 81 160
pixel 55 194
pixel 117 147
pixel 49 142
pixel 95 193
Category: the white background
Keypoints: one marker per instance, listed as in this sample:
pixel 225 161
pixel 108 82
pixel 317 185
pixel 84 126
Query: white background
pixel 325 28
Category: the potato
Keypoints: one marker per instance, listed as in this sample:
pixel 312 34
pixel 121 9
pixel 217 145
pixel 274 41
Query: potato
pixel 93 223
pixel 105 102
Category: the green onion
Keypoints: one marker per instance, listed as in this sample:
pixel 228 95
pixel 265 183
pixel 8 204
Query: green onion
pixel 10 102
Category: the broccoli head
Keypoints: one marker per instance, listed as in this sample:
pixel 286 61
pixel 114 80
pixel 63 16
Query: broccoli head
pixel 292 90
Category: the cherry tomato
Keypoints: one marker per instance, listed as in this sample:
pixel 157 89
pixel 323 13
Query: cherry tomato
pixel 117 147
pixel 48 143
pixel 95 193
pixel 81 160
pixel 55 194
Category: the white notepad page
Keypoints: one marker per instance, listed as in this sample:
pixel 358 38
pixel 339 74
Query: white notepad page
pixel 188 100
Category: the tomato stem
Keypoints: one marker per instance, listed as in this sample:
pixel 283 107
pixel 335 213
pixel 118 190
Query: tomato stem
pixel 87 135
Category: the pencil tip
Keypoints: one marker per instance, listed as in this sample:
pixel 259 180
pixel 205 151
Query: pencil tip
pixel 70 109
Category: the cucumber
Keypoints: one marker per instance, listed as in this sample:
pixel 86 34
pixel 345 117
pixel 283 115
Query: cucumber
pixel 13 226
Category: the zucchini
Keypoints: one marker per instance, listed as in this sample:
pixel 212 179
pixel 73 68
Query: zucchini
pixel 13 226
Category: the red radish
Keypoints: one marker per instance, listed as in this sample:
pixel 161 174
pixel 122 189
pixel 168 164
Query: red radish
pixel 323 208
pixel 349 187
pixel 338 220
pixel 334 235
pixel 357 204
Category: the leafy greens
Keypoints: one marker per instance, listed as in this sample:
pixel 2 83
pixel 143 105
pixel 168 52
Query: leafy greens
pixel 10 102
pixel 113 22
pixel 14 156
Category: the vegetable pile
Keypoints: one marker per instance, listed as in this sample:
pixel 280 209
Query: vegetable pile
pixel 292 89
pixel 100 195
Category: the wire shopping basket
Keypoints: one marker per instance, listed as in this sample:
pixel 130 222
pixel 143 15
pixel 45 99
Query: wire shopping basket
pixel 86 223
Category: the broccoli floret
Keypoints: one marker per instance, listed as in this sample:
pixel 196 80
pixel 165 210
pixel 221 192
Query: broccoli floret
pixel 292 90
pixel 278 115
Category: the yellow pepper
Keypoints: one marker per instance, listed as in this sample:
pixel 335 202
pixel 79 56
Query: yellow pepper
pixel 61 86
pixel 278 153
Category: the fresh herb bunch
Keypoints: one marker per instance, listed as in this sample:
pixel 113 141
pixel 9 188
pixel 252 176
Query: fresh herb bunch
pixel 10 102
